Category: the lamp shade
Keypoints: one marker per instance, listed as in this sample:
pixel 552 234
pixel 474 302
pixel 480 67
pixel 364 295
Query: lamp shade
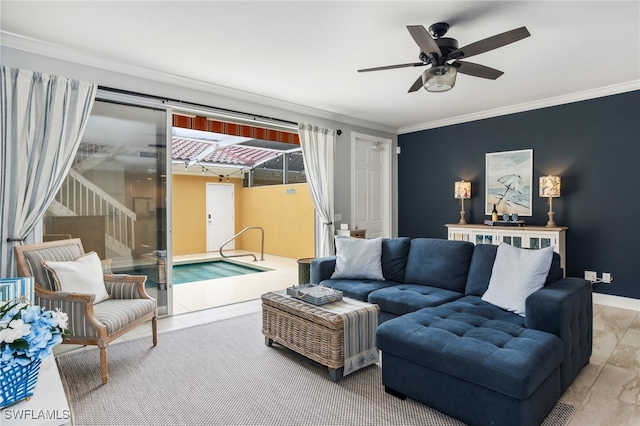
pixel 549 186
pixel 462 190
pixel 439 78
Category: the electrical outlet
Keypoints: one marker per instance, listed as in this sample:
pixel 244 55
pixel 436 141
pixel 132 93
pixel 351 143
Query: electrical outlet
pixel 590 276
pixel 606 277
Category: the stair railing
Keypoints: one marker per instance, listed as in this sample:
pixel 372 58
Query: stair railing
pixel 83 198
pixel 247 254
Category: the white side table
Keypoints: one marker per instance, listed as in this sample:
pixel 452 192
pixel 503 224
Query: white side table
pixel 47 406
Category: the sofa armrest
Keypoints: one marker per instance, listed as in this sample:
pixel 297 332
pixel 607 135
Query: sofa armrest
pixel 565 308
pixel 322 269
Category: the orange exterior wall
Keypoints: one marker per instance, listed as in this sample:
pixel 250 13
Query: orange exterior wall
pixel 284 211
pixel 189 212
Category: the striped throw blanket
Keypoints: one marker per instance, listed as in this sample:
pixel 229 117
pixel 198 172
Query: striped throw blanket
pixel 360 323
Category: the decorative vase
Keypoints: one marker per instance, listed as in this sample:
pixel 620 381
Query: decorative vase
pixel 17 382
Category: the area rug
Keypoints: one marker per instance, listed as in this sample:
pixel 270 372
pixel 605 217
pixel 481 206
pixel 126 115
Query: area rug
pixel 222 373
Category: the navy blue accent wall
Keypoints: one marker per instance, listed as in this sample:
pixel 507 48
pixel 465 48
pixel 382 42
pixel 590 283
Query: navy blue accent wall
pixel 593 145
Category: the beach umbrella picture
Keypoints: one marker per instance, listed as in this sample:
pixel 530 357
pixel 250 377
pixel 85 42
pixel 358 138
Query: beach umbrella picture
pixel 508 181
pixel 513 183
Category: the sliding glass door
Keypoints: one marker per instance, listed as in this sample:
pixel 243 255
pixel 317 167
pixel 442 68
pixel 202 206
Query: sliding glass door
pixel 115 196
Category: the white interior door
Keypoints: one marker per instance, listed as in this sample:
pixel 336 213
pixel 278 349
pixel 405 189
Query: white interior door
pixel 220 216
pixel 371 185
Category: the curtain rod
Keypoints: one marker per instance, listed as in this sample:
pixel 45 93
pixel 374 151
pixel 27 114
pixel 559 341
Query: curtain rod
pixel 234 114
pixel 241 114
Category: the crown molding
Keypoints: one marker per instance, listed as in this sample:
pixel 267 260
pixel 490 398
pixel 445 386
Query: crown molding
pixel 43 48
pixel 528 106
pixel 52 50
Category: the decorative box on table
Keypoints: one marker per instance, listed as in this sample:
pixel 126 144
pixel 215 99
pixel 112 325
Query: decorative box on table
pixel 17 288
pixel 315 294
pixel 17 382
pixel 28 334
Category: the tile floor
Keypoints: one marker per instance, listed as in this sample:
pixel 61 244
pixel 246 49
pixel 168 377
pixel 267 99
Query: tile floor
pixel 606 393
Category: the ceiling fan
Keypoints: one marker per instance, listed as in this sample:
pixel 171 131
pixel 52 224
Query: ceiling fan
pixel 444 56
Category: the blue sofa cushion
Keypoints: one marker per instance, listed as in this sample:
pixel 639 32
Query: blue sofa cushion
pixel 480 269
pixel 473 341
pixel 394 258
pixel 482 264
pixel 357 289
pixel 439 263
pixel 404 298
pixel 555 272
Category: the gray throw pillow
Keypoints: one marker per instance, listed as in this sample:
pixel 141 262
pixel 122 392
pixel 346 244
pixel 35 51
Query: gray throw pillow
pixel 358 258
pixel 516 274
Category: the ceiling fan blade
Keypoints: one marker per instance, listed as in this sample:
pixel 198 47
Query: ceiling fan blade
pixel 477 70
pixel 490 43
pixel 390 67
pixel 416 85
pixel 423 39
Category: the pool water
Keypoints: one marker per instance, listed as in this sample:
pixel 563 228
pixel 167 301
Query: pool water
pixel 200 271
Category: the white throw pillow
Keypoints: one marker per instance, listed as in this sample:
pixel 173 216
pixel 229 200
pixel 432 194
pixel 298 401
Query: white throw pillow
pixel 358 258
pixel 83 275
pixel 516 274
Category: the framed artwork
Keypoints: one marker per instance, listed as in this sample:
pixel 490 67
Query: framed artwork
pixel 509 177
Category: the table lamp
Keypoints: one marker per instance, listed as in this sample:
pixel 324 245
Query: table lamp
pixel 462 190
pixel 550 187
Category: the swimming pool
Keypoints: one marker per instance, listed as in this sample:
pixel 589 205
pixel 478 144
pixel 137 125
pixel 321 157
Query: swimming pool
pixel 210 270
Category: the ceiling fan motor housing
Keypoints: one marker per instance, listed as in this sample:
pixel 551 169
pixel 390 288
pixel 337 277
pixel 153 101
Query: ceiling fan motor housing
pixel 446 45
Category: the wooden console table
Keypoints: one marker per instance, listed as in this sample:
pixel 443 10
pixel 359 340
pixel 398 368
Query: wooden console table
pixel 533 237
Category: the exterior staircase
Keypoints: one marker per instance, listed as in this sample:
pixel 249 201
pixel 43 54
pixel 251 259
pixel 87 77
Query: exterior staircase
pixel 80 197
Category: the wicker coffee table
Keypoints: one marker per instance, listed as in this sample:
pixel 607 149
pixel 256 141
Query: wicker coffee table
pixel 305 328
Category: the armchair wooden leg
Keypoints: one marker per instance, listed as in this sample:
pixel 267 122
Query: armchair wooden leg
pixel 103 362
pixel 154 329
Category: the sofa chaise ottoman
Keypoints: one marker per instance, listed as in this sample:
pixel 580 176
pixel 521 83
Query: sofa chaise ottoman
pixel 444 342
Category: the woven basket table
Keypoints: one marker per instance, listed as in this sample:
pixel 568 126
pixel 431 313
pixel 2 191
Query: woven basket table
pixel 306 329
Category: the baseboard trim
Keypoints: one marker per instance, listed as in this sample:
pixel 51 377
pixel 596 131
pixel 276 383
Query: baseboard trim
pixel 616 301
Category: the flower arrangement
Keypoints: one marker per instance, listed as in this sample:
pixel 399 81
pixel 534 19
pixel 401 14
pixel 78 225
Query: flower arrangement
pixel 29 333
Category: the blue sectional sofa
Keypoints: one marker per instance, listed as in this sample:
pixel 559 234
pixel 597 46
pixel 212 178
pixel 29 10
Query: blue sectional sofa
pixel 445 346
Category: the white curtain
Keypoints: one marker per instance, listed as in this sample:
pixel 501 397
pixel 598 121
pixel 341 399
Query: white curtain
pixel 42 118
pixel 318 145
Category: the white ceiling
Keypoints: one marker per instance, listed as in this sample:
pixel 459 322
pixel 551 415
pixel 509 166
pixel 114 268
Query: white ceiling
pixel 306 53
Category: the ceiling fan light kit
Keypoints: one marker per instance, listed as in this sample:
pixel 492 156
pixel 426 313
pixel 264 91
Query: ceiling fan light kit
pixel 444 56
pixel 439 78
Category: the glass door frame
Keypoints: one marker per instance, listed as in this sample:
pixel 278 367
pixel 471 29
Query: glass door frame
pixel 156 104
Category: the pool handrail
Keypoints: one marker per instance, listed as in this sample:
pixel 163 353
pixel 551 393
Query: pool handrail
pixel 255 259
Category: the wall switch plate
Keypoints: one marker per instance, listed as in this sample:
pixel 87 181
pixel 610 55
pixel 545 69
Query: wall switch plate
pixel 590 276
pixel 337 217
pixel 606 277
pixel 398 150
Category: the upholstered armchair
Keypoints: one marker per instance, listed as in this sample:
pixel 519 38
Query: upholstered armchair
pixel 128 304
